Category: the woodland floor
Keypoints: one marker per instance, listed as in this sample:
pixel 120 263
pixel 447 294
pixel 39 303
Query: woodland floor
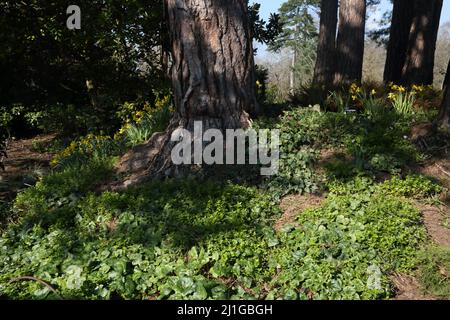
pixel 24 164
pixel 436 219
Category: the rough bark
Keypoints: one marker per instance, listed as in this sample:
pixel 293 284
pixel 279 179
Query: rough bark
pixel 444 115
pixel 212 76
pixel 402 17
pixel 419 64
pixel 447 78
pixel 324 69
pixel 350 41
pixel 212 53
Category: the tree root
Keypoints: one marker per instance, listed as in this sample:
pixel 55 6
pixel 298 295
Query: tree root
pixel 42 282
pixel 443 170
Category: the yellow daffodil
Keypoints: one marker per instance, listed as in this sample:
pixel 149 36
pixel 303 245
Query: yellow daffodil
pixel 392 96
pixel 398 88
pixel 417 88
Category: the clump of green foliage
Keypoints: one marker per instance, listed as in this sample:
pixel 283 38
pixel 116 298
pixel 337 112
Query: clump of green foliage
pixel 86 149
pixel 141 122
pixel 374 142
pixel 303 133
pixel 346 248
pixel 413 186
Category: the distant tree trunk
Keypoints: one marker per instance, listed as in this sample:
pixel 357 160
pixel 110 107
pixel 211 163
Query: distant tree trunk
pixel 292 71
pixel 444 115
pixel 165 45
pixel 325 62
pixel 294 61
pixel 212 77
pixel 419 64
pixel 350 41
pixel 402 16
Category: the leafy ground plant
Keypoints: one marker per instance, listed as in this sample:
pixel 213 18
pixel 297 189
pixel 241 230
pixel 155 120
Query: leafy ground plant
pixel 210 239
pixel 192 240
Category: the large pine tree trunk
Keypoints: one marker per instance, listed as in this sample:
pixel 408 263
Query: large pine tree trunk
pixel 212 77
pixel 402 16
pixel 444 115
pixel 419 64
pixel 213 68
pixel 325 62
pixel 350 41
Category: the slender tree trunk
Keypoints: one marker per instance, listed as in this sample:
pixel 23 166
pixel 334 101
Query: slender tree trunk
pixel 419 64
pixel 324 69
pixel 294 60
pixel 292 72
pixel 212 76
pixel 165 45
pixel 444 115
pixel 350 41
pixel 402 16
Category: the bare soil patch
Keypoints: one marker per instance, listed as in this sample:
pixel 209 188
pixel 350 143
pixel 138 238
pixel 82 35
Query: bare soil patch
pixel 409 288
pixel 23 161
pixel 293 205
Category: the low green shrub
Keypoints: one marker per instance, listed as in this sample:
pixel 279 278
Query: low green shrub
pixel 303 134
pixel 412 186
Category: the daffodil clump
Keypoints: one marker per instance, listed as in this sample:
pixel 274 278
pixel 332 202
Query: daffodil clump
pixel 67 152
pixel 426 94
pixel 87 145
pixel 355 91
pixel 402 100
pixel 141 121
pixel 395 91
pixel 162 109
pixel 419 91
pixel 359 93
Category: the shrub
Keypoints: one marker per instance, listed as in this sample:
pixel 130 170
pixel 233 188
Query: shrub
pixel 303 133
pixel 413 186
